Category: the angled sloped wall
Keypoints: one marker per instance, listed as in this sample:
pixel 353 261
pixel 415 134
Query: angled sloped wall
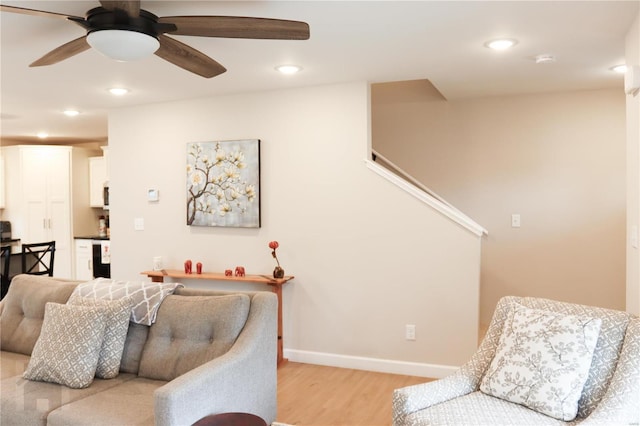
pixel 556 159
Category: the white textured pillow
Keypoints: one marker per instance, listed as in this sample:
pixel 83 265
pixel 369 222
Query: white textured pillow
pixel 543 360
pixel 117 324
pixel 68 347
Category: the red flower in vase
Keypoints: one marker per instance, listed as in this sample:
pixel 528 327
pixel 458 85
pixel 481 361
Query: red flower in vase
pixel 278 272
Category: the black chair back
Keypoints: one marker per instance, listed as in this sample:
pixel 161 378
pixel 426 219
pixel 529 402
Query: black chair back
pixel 5 258
pixel 37 258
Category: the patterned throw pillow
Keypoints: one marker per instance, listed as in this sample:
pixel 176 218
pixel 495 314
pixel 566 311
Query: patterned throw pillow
pixel 68 347
pixel 543 360
pixel 117 318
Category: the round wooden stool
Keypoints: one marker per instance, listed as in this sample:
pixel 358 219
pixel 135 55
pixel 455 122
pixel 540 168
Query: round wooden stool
pixel 231 419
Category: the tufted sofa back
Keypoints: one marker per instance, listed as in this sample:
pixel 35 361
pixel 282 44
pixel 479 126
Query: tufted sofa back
pixel 191 330
pixel 22 310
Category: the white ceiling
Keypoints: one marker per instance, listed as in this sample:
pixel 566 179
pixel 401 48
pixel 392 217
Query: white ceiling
pixel 350 41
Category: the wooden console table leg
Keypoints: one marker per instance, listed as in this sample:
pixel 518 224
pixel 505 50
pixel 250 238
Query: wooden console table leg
pixel 277 289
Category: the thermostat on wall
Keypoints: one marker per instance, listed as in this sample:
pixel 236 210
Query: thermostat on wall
pixel 153 195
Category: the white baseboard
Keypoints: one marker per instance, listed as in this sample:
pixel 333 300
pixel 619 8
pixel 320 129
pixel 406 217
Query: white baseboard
pixel 434 371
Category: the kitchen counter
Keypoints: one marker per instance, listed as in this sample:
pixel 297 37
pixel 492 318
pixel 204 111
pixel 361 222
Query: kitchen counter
pixel 7 241
pixel 14 243
pixel 90 237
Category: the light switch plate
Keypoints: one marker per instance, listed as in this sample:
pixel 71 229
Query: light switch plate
pixel 153 195
pixel 138 224
pixel 515 220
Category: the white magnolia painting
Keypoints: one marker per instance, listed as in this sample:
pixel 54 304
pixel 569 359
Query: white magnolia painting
pixel 223 183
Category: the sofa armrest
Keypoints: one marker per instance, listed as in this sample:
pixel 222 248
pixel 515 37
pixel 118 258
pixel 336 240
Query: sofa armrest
pixel 621 403
pixel 464 381
pixel 242 380
pixel 414 398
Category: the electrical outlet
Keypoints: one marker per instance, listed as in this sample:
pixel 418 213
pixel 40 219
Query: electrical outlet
pixel 410 332
pixel 515 220
pixel 138 224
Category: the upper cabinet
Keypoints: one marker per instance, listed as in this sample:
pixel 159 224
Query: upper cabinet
pixel 105 153
pixel 97 180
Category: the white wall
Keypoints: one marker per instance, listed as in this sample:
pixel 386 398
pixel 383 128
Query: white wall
pixel 557 159
pixel 368 258
pixel 85 218
pixel 632 53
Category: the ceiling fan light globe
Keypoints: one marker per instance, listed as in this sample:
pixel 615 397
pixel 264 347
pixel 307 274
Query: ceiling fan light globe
pixel 123 45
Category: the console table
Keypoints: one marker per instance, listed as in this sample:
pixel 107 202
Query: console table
pixel 274 283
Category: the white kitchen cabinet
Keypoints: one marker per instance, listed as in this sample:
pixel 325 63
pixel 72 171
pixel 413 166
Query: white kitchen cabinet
pixel 84 259
pixel 97 179
pixel 105 155
pixel 38 198
pixel 2 180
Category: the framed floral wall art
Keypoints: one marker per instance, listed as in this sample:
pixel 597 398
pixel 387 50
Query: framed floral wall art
pixel 223 183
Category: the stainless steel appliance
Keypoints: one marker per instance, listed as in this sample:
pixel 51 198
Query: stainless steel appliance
pixel 101 258
pixel 5 230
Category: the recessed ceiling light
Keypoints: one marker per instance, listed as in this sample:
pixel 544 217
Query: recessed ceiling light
pixel 118 91
pixel 289 69
pixel 545 59
pixel 70 112
pixel 501 44
pixel 622 68
pixel 42 135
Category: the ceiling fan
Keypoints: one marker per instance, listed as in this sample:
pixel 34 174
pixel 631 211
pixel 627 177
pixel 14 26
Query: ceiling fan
pixel 124 31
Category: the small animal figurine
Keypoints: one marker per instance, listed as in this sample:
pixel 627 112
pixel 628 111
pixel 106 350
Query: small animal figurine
pixel 228 273
pixel 239 271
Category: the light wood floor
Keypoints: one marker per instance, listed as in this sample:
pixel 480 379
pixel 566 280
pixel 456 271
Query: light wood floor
pixel 314 395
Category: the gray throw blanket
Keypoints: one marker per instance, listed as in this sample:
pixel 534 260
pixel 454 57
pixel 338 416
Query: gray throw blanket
pixel 146 297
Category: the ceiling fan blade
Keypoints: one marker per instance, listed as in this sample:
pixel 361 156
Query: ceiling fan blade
pixel 237 27
pixel 34 12
pixel 188 58
pixel 63 52
pixel 131 7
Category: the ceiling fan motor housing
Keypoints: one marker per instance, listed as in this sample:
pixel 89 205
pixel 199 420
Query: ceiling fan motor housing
pixel 99 19
pixel 121 36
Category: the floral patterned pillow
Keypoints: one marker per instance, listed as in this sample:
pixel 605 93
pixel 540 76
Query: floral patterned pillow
pixel 543 360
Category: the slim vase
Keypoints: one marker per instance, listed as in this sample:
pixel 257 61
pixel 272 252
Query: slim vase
pixel 278 272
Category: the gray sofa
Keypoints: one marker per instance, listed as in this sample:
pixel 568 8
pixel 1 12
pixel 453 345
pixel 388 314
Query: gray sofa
pixel 160 381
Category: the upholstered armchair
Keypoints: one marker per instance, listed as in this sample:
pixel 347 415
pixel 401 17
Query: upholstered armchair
pixel 610 394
